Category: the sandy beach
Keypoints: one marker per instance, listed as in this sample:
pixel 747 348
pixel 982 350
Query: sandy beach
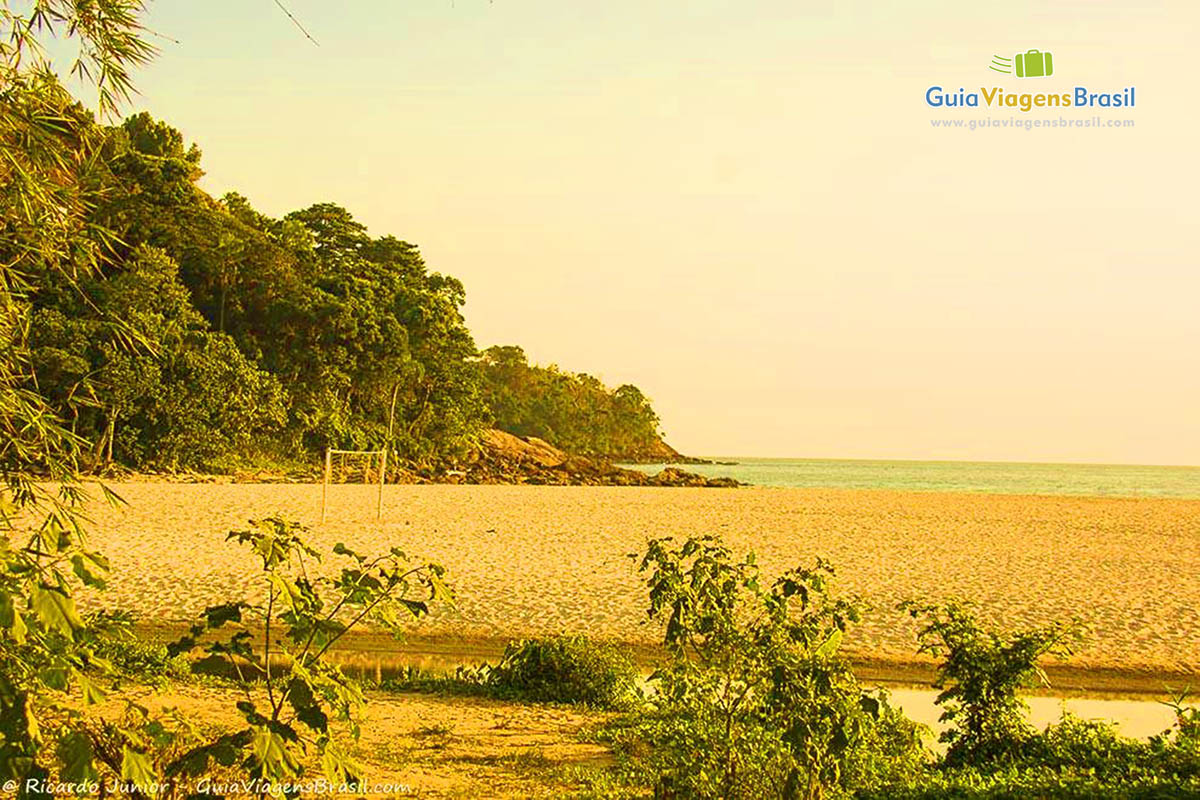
pixel 531 560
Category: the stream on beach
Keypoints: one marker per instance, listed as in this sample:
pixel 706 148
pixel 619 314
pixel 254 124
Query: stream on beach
pixel 1136 716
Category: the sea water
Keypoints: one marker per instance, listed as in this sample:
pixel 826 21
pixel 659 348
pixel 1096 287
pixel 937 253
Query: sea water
pixel 1109 480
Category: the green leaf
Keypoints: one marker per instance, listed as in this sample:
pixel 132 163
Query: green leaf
pixel 216 616
pixel 6 610
pixel 28 716
pixel 137 768
pixel 286 591
pixel 92 693
pixel 55 609
pixel 415 607
pixel 271 751
pixel 77 758
pixel 840 740
pixel 831 645
pixel 341 550
pixel 250 713
pixel 11 618
pixel 305 704
pixel 88 567
pixel 183 645
pixel 336 764
pixel 54 677
pixel 36 776
pixel 224 751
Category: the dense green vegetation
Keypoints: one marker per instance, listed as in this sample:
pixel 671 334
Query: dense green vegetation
pixel 170 329
pixel 573 670
pixel 274 338
pixel 757 702
pixel 565 669
pixel 46 648
pixel 980 675
pixel 573 411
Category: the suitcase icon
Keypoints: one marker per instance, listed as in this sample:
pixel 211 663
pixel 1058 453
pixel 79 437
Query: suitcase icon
pixel 1034 64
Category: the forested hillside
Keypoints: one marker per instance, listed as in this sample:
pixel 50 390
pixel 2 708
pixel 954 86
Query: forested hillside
pixel 261 339
pixel 574 411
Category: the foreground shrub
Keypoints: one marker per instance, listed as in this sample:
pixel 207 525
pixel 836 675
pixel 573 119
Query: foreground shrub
pixel 566 669
pixel 995 753
pixel 1033 783
pixel 1091 746
pixel 130 656
pixel 979 675
pixel 464 680
pixel 756 701
pixel 304 616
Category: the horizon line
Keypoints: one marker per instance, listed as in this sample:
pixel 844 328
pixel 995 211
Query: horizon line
pixel 947 461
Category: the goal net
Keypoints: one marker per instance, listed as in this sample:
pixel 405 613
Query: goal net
pixel 344 466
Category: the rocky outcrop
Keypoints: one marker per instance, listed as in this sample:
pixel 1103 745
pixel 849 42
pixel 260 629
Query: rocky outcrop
pixel 502 446
pixel 505 458
pixel 658 452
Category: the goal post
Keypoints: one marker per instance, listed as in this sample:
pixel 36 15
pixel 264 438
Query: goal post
pixel 370 456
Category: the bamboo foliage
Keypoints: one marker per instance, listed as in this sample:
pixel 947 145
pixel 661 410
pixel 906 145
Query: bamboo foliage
pixel 47 155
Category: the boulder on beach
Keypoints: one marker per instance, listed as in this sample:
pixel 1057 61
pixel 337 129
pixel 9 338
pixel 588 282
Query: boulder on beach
pixel 505 446
pixel 504 457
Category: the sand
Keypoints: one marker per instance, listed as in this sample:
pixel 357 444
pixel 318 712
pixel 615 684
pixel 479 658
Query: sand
pixel 533 560
pixel 414 745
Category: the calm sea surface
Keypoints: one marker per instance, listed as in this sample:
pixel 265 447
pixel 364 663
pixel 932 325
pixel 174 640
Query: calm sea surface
pixel 1109 480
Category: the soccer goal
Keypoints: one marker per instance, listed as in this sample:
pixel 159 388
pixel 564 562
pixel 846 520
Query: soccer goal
pixel 341 467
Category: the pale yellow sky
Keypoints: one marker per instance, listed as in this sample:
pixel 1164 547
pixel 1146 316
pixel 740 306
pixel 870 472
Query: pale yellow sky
pixel 744 208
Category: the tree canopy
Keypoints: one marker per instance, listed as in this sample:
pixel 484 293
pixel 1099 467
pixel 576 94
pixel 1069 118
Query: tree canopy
pixel 273 338
pixel 573 411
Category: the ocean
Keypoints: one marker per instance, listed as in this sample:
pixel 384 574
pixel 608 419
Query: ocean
pixel 1105 480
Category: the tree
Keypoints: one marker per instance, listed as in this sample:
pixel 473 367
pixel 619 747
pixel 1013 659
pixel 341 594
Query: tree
pixel 980 674
pixel 187 398
pixel 756 701
pixel 347 325
pixel 304 616
pixel 47 185
pixel 576 412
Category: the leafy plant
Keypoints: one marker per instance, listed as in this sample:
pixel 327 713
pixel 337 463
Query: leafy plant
pixel 305 614
pixel 132 657
pixel 756 701
pixel 49 152
pixel 566 669
pixel 979 676
pixel 464 680
pixel 1187 718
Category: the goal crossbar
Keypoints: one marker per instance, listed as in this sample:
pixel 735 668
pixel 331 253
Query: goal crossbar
pixel 331 452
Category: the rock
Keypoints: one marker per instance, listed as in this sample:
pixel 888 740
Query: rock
pixel 505 458
pixel 672 476
pixel 505 446
pixel 658 452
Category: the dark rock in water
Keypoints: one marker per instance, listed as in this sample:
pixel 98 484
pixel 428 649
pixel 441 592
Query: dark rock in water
pixel 505 458
pixel 672 476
